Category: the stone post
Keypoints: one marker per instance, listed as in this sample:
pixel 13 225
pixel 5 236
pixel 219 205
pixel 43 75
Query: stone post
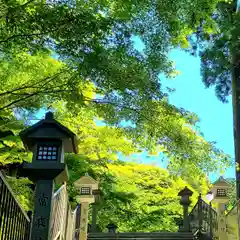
pixel 94 218
pixel 95 205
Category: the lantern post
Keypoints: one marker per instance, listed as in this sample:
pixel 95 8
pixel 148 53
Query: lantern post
pixel 47 140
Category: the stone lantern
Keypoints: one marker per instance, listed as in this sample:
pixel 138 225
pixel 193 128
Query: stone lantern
pixel 112 228
pixel 48 140
pixel 220 197
pixel 185 201
pixel 86 187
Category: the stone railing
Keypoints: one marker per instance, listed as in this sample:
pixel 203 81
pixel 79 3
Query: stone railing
pixel 203 219
pixel 63 219
pixel 14 221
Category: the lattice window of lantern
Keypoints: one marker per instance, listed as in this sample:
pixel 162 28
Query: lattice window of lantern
pixel 47 152
pixel 221 192
pixel 85 191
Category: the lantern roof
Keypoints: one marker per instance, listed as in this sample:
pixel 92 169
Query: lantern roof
pixel 49 129
pixel 86 181
pixel 112 225
pixel 221 182
pixel 185 192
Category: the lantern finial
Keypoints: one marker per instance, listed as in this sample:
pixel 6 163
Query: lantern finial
pixel 49 116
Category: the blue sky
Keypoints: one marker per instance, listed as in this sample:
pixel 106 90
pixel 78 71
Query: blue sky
pixel 216 119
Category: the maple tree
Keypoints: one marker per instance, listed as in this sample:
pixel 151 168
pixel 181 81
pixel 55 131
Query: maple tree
pixel 79 59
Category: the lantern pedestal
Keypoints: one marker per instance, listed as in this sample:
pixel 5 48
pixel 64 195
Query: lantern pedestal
pixel 42 210
pixel 45 180
pixel 84 221
pixel 84 202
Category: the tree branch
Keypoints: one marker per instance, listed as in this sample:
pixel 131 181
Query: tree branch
pixel 27 96
pixel 137 110
pixel 17 101
pixel 34 85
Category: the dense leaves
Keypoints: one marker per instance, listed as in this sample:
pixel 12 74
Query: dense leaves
pixel 136 197
pixel 165 131
pixel 23 192
pixel 86 41
pixel 216 56
pixel 82 57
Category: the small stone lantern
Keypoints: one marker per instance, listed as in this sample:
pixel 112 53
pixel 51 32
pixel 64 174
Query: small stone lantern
pixel 48 140
pixel 86 187
pixel 220 191
pixel 112 228
pixel 185 201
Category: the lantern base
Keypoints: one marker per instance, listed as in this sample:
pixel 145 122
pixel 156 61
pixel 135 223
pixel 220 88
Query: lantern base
pixel 39 171
pixel 85 199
